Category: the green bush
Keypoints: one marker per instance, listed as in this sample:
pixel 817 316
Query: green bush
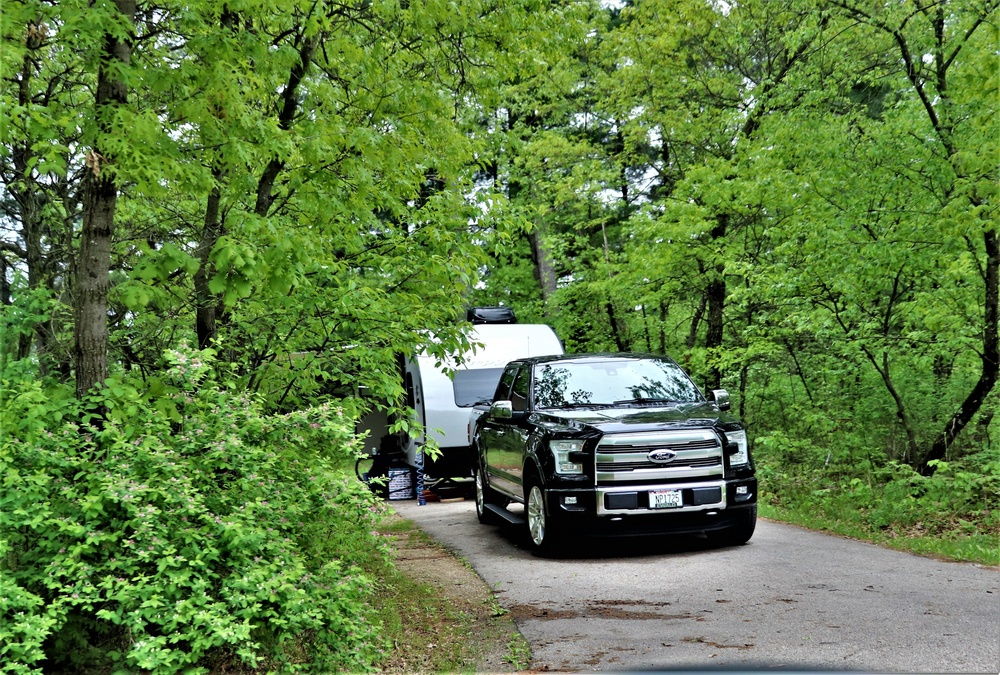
pixel 177 527
pixel 857 491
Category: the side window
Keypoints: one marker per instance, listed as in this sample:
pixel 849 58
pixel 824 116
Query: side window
pixel 506 380
pixel 519 392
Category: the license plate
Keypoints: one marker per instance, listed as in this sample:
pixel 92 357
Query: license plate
pixel 665 499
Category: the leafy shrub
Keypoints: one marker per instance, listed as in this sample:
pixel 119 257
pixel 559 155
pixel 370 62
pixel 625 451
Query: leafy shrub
pixel 855 490
pixel 179 529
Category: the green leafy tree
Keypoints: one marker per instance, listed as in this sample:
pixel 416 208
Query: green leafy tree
pixel 951 70
pixel 245 158
pixel 902 273
pixel 288 183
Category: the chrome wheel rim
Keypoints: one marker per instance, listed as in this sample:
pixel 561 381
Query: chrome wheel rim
pixel 536 515
pixel 480 497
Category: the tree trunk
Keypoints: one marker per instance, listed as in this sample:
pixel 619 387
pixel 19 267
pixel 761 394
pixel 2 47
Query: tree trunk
pixel 645 328
pixel 716 293
pixel 798 369
pixel 901 414
pixel 696 321
pixel 25 193
pixel 5 298
pixel 206 302
pixel 990 357
pixel 211 317
pixel 545 271
pixel 100 198
pixel 92 284
pixel 663 330
pixel 713 335
pixel 620 341
pixel 289 108
pixel 744 378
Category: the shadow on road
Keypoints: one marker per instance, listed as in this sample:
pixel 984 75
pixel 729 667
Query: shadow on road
pixel 600 547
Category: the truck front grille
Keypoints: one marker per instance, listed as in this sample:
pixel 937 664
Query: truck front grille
pixel 623 459
pixel 646 464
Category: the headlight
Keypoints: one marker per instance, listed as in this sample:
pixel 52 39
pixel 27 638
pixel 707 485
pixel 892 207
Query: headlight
pixel 560 450
pixel 741 455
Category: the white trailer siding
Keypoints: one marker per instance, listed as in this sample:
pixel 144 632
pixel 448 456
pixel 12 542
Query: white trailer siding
pixel 446 422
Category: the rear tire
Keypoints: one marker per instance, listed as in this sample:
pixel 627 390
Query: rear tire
pixel 541 535
pixel 485 495
pixel 740 533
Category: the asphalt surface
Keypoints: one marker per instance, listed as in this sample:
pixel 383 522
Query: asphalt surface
pixel 790 600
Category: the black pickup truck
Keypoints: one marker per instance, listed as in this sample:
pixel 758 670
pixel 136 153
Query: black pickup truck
pixel 616 444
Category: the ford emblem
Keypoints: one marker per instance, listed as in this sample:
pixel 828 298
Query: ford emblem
pixel 661 456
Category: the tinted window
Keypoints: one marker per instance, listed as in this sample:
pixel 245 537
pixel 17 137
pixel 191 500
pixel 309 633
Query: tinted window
pixel 506 380
pixel 473 386
pixel 519 392
pixel 604 382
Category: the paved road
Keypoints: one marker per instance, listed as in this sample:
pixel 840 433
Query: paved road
pixel 791 599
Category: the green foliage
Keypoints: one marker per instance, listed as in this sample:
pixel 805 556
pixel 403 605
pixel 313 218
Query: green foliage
pixel 519 654
pixel 302 170
pixel 332 180
pixel 952 513
pixel 783 151
pixel 185 530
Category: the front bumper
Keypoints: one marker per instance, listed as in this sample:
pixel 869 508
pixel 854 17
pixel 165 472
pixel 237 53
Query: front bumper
pixel 706 506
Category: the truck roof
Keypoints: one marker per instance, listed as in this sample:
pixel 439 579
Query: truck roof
pixel 593 357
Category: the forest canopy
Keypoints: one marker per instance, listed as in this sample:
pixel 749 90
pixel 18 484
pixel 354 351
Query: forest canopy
pixel 219 222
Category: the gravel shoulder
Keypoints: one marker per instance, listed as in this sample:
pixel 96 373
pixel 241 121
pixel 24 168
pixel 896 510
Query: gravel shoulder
pixel 492 642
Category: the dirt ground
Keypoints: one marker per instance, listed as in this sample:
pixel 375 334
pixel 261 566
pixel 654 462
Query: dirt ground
pixel 490 627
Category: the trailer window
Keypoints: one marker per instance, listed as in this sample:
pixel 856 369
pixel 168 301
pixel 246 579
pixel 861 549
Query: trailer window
pixel 475 386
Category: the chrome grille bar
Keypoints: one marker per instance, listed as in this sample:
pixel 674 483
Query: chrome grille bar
pixel 624 458
pixel 644 463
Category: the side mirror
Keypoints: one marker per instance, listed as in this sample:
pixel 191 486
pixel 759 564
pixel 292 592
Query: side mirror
pixel 721 398
pixel 502 410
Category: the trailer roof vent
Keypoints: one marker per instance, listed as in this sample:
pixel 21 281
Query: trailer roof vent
pixel 479 315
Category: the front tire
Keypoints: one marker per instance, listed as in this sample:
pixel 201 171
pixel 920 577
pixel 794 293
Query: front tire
pixel 541 534
pixel 740 533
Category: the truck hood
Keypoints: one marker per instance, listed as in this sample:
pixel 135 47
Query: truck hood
pixel 619 420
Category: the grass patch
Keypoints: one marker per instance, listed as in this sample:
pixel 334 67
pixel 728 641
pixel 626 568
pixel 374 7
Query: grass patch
pixel 958 544
pixel 953 514
pixel 518 652
pixel 424 632
pixel 437 614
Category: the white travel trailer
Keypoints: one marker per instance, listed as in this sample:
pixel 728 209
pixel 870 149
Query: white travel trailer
pixel 443 405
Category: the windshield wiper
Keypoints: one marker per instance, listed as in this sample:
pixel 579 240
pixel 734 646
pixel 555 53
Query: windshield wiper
pixel 569 406
pixel 642 400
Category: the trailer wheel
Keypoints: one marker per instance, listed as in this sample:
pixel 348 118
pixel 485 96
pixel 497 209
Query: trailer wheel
pixel 362 468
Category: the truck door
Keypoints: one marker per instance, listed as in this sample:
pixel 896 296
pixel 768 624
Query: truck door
pixel 505 445
pixel 494 433
pixel 492 430
pixel 516 441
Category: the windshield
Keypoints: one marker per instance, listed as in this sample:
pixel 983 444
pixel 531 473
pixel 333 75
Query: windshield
pixel 560 385
pixel 473 386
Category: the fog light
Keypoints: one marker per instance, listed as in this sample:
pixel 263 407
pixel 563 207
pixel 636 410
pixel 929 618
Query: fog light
pixel 570 501
pixel 741 489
